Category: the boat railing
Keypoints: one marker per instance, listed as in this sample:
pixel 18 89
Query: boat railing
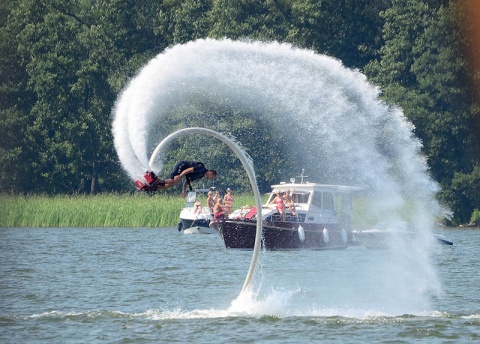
pixel 288 217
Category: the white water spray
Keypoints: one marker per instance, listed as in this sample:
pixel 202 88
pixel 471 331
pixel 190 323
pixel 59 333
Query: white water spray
pixel 332 114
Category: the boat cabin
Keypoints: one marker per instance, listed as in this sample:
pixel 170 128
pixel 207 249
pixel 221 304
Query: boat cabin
pixel 314 203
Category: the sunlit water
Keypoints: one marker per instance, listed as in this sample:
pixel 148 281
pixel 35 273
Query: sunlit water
pixel 77 285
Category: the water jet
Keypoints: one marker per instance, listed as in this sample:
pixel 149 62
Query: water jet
pixel 328 118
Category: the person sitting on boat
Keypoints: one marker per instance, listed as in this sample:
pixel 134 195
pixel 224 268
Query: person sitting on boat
pixel 289 202
pixel 228 200
pixel 210 201
pixel 198 207
pixel 219 210
pixel 278 200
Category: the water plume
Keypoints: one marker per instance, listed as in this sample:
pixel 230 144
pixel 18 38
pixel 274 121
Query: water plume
pixel 327 116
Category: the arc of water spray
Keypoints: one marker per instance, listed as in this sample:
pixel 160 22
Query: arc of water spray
pixel 251 176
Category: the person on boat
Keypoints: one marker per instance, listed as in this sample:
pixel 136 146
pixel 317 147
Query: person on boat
pixel 216 197
pixel 198 207
pixel 219 210
pixel 289 202
pixel 278 201
pixel 228 200
pixel 210 201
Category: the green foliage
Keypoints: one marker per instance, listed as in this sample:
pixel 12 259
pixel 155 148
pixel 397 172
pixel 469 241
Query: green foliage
pixel 464 195
pixel 62 64
pixel 421 70
pixel 348 30
pixel 102 210
pixel 475 217
pixel 264 20
pixel 112 210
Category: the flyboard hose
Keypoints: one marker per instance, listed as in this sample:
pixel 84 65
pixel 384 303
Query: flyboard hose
pixel 251 176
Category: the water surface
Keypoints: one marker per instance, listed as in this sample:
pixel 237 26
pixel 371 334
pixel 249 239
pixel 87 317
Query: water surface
pixel 120 285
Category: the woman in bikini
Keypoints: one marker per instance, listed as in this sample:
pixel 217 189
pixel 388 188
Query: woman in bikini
pixel 278 200
pixel 219 210
pixel 228 200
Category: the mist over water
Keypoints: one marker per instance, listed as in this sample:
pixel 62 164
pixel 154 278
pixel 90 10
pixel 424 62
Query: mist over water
pixel 333 117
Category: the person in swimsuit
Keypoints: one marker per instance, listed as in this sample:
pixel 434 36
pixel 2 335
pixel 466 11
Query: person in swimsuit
pixel 210 201
pixel 289 202
pixel 198 207
pixel 278 200
pixel 216 197
pixel 228 200
pixel 219 210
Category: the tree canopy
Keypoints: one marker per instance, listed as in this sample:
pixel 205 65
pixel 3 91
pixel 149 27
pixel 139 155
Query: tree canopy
pixel 62 65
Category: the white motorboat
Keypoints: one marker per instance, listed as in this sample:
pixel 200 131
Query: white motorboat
pixel 322 219
pixel 196 216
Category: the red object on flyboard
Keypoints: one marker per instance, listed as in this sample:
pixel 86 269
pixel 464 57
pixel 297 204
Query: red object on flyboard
pixel 152 182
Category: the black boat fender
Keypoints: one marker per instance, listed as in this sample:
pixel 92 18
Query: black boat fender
pixel 180 226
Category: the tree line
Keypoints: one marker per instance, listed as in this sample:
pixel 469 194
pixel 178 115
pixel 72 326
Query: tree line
pixel 63 64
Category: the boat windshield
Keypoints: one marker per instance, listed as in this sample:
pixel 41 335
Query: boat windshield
pixel 298 196
pixel 301 197
pixel 191 197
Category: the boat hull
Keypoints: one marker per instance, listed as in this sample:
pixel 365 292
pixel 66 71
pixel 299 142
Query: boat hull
pixel 282 235
pixel 197 226
pixel 188 223
pixel 199 230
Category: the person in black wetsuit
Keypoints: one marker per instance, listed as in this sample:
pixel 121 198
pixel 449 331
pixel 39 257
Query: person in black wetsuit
pixel 192 171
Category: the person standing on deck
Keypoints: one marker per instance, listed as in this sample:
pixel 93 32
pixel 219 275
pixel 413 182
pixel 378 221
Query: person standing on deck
pixel 210 201
pixel 216 197
pixel 228 200
pixel 219 210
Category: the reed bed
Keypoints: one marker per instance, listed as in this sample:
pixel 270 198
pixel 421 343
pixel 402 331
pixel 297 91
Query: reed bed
pixel 104 210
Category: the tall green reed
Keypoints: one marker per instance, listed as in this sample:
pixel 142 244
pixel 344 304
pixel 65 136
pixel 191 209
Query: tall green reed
pixel 103 210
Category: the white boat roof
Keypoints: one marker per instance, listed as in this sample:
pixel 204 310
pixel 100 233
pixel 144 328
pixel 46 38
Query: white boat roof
pixel 308 187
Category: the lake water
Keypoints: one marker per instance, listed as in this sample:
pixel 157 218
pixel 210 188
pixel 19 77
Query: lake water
pixel 124 285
